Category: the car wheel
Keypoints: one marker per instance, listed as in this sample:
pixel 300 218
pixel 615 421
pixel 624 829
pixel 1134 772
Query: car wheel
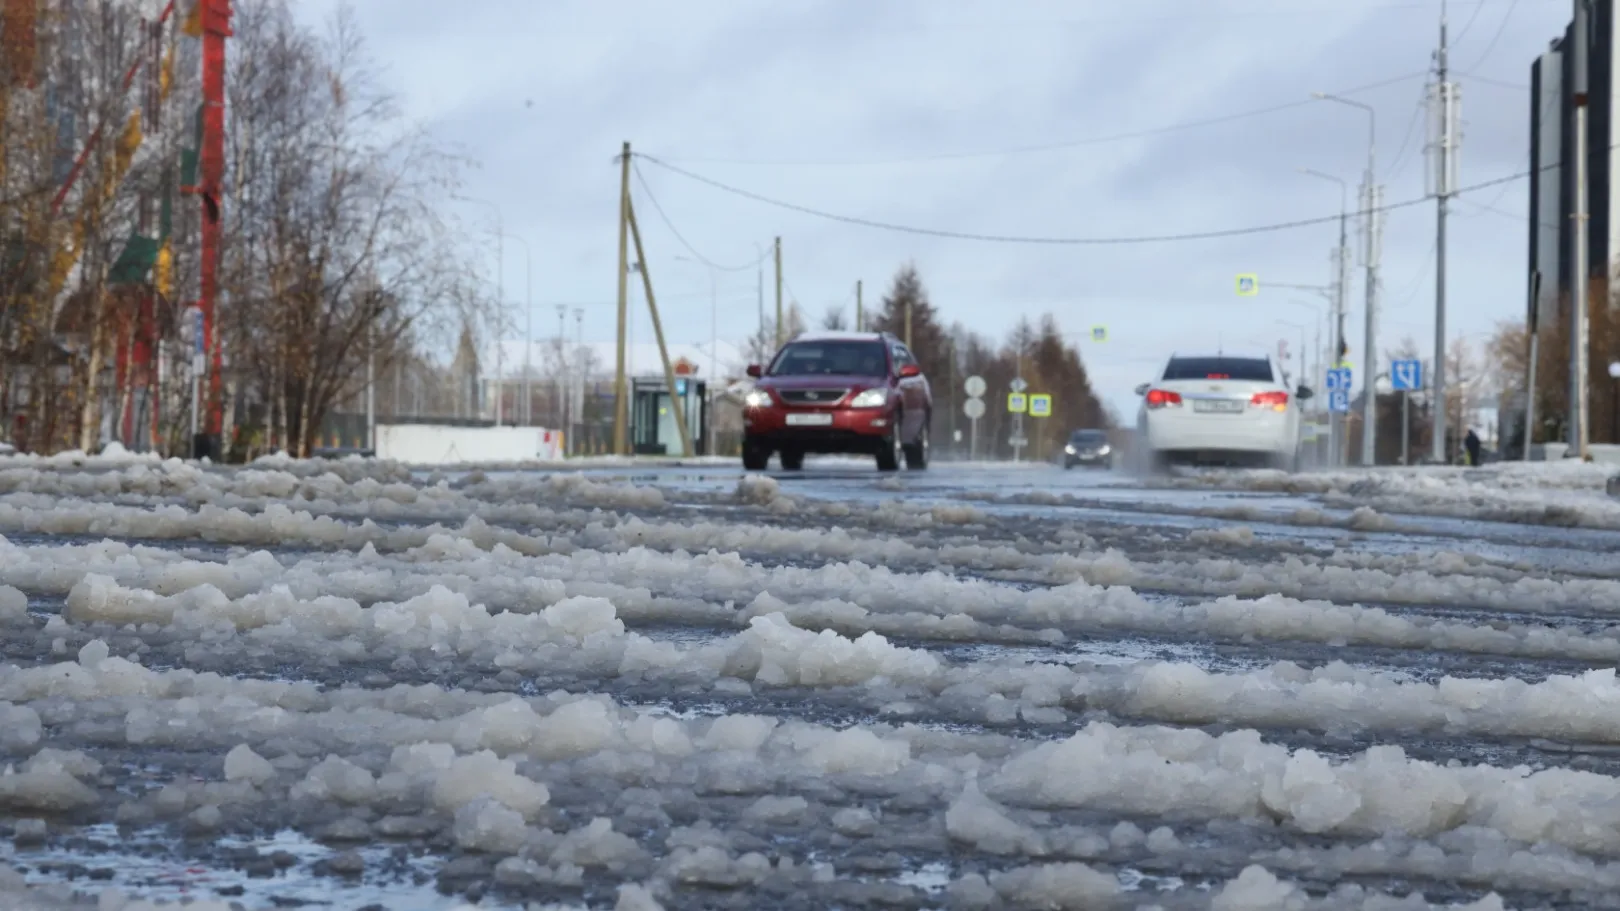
pixel 755 456
pixel 792 459
pixel 892 451
pixel 1286 461
pixel 917 453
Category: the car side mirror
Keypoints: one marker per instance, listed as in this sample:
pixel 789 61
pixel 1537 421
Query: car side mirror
pixel 909 371
pixel 755 371
pixel 1143 389
pixel 1304 393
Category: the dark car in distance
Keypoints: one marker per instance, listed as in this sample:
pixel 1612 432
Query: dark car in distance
pixel 851 393
pixel 1090 448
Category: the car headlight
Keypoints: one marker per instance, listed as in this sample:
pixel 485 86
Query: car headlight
pixel 1106 449
pixel 1069 450
pixel 757 398
pixel 871 398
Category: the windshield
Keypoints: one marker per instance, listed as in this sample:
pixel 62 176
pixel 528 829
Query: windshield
pixel 1088 436
pixel 1252 369
pixel 831 359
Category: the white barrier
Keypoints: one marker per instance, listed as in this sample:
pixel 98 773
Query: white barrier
pixel 443 444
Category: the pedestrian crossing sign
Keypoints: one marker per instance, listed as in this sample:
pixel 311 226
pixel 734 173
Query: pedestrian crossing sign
pixel 1017 403
pixel 1040 406
pixel 1248 285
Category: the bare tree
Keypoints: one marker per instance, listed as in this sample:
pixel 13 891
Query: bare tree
pixel 833 320
pixel 340 259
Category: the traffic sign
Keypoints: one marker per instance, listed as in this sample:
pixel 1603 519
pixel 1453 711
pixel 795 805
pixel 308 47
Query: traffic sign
pixel 973 408
pixel 1040 406
pixel 1018 442
pixel 1339 378
pixel 1017 403
pixel 1018 384
pixel 1407 375
pixel 1248 285
pixel 1339 400
pixel 974 386
pixel 1099 333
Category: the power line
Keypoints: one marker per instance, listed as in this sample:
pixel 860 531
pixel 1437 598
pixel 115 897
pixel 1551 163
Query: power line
pixel 1059 241
pixel 1518 87
pixel 664 217
pixel 1500 29
pixel 1398 163
pixel 1479 8
pixel 1054 146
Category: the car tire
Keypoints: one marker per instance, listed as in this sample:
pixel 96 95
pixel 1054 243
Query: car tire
pixel 755 455
pixel 891 451
pixel 792 459
pixel 917 453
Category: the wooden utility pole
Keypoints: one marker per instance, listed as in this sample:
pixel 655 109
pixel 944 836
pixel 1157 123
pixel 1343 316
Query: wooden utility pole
pixel 908 325
pixel 675 402
pixel 621 394
pixel 860 319
pixel 781 327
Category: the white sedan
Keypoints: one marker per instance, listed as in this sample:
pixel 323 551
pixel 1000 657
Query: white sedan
pixel 1223 407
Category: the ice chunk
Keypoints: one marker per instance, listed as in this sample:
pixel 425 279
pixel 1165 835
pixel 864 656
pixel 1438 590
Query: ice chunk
pixel 743 733
pixel 597 845
pixel 859 751
pixel 13 605
pixel 486 825
pixel 1256 889
pixel 1057 886
pixel 633 897
pixel 484 774
pixel 336 778
pixel 93 653
pixel 580 617
pixel 20 727
pixel 771 808
pixel 242 764
pixel 980 821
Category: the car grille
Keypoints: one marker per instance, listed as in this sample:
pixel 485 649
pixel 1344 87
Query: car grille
pixel 812 396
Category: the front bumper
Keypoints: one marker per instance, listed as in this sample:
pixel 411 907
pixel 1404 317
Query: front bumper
pixel 849 430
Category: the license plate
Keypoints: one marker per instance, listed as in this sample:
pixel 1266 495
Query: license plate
pixel 1217 406
pixel 809 420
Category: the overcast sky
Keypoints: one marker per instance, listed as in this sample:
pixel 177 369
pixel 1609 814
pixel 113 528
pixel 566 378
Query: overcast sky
pixel 1036 118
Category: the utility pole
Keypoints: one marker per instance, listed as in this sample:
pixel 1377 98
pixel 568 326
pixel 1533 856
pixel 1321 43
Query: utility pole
pixel 621 395
pixel 1534 331
pixel 781 327
pixel 1372 238
pixel 860 314
pixel 908 324
pixel 1369 404
pixel 676 402
pixel 1443 124
pixel 1580 406
pixel 562 367
pixel 579 382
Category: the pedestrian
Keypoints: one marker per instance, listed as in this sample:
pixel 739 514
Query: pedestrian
pixel 1471 443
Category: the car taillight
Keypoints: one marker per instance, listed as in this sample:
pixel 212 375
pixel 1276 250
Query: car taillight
pixel 1276 401
pixel 1160 398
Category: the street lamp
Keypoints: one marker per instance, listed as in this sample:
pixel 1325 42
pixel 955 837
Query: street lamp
pixel 714 348
pixel 500 294
pixel 1369 209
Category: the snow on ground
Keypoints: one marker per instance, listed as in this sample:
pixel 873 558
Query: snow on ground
pixel 674 686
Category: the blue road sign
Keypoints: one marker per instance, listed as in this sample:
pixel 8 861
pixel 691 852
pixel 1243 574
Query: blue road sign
pixel 1338 378
pixel 680 386
pixel 1406 376
pixel 1339 400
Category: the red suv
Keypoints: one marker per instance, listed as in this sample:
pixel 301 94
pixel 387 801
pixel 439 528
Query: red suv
pixel 838 392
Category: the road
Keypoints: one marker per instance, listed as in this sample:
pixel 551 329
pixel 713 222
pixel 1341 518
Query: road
pixel 352 685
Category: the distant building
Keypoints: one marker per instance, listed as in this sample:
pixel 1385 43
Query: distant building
pixel 1552 181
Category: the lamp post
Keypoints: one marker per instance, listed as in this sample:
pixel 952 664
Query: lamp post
pixel 714 350
pixel 1372 241
pixel 500 295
